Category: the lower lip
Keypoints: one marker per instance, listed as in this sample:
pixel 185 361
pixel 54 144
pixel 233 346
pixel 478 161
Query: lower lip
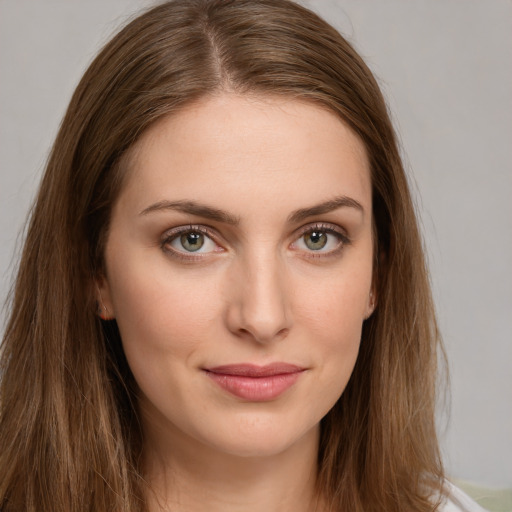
pixel 255 389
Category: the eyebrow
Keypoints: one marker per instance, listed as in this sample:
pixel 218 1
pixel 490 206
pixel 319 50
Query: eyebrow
pixel 202 210
pixel 193 208
pixel 325 207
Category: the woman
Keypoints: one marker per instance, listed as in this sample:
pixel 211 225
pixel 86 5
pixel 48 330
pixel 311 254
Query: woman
pixel 222 300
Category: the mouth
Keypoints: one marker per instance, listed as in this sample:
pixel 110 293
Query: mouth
pixel 255 383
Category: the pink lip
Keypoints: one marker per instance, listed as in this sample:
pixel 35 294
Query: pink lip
pixel 255 383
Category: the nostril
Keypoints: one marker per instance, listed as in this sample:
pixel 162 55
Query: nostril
pixel 283 333
pixel 262 337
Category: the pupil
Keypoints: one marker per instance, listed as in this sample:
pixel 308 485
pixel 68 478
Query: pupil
pixel 316 240
pixel 192 241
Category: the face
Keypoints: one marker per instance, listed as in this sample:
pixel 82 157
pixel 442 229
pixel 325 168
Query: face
pixel 239 270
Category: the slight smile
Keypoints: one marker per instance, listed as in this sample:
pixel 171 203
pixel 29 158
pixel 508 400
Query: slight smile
pixel 255 383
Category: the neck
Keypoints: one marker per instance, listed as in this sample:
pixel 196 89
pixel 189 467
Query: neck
pixel 184 475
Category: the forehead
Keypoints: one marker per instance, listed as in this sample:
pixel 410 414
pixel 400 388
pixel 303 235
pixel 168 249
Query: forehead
pixel 248 148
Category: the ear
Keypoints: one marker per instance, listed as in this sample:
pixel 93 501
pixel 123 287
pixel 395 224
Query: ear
pixel 372 303
pixel 379 260
pixel 104 298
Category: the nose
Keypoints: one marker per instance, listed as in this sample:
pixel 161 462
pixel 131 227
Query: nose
pixel 258 307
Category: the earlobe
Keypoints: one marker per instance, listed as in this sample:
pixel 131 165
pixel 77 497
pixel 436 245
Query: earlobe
pixel 105 308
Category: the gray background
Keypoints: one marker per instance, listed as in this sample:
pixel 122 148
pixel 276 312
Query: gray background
pixel 445 67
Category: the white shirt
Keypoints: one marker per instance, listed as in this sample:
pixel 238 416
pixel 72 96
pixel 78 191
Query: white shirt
pixel 459 501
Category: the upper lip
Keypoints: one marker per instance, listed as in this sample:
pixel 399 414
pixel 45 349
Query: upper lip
pixel 253 370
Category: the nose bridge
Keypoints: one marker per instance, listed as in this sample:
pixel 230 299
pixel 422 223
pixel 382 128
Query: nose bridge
pixel 261 307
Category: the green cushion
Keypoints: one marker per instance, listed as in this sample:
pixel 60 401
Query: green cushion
pixel 494 500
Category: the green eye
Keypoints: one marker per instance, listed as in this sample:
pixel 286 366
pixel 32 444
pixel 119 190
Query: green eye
pixel 321 240
pixel 315 240
pixel 192 241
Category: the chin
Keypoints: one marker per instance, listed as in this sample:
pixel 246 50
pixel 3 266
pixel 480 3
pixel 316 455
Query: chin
pixel 260 438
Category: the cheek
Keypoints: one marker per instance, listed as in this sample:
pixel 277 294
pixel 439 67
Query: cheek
pixel 333 315
pixel 162 316
pixel 337 303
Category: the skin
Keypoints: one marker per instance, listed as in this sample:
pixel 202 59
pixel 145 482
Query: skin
pixel 255 292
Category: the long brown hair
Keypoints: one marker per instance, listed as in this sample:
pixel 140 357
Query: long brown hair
pixel 69 434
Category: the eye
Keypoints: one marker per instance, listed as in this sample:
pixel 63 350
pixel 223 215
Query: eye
pixel 315 240
pixel 320 239
pixel 190 240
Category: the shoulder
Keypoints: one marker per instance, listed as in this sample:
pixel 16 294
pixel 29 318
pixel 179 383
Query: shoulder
pixel 458 501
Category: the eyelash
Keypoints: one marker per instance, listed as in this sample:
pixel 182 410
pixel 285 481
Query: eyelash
pixel 329 229
pixel 172 235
